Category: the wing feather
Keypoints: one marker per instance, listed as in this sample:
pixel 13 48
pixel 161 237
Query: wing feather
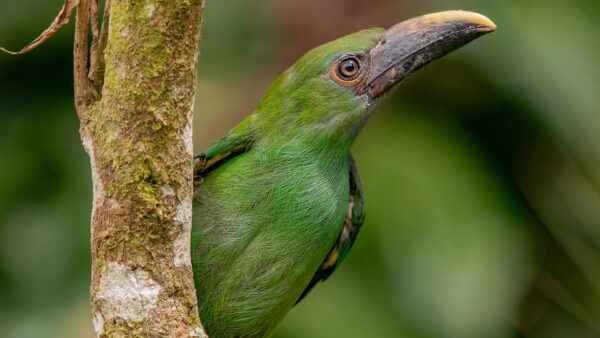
pixel 352 223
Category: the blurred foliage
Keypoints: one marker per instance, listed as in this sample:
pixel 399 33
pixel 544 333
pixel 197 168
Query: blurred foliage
pixel 481 172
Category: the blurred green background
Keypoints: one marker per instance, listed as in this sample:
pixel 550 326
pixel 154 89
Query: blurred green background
pixel 481 173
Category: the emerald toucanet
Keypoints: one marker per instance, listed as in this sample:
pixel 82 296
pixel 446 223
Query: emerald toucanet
pixel 278 200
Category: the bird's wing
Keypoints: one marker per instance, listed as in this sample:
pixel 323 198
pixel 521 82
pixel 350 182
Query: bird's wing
pixel 352 224
pixel 237 141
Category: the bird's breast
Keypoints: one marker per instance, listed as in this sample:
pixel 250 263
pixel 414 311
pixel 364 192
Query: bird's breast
pixel 263 228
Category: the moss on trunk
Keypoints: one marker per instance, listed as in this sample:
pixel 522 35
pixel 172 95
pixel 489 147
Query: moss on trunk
pixel 138 136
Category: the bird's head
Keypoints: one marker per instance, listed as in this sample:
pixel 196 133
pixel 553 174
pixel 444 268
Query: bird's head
pixel 329 93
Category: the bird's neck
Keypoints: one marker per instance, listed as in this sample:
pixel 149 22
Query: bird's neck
pixel 299 150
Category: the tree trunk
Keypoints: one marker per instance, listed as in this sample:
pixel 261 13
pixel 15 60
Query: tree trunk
pixel 138 133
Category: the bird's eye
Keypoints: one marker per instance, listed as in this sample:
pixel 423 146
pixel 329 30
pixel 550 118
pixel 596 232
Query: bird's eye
pixel 348 69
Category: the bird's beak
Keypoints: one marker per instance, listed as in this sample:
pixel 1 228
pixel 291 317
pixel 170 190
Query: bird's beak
pixel 413 43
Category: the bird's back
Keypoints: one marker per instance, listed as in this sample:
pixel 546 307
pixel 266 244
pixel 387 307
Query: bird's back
pixel 262 226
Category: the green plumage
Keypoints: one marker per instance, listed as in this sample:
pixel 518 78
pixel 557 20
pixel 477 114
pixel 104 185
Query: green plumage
pixel 267 216
pixel 278 201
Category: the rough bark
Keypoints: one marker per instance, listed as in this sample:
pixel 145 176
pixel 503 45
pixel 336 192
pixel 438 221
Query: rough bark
pixel 138 134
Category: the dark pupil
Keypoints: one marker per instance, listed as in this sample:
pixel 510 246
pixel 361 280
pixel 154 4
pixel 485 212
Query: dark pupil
pixel 349 68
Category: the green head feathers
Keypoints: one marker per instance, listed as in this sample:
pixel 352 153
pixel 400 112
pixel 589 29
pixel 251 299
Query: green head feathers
pixel 306 100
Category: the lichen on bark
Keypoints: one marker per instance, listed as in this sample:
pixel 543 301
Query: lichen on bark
pixel 138 135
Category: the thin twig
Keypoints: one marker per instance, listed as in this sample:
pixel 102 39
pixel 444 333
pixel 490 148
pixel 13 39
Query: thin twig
pixel 96 74
pixel 83 89
pixel 94 17
pixel 59 22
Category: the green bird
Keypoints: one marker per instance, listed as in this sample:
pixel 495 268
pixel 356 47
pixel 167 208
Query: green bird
pixel 278 201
